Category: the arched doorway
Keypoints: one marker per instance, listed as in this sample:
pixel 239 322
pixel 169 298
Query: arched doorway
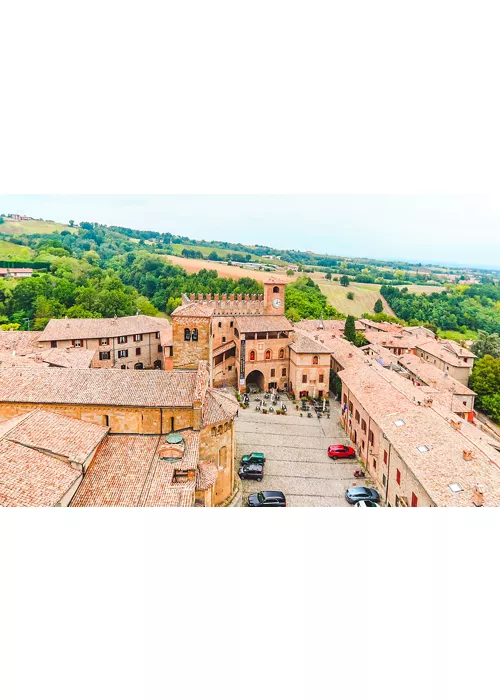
pixel 255 379
pixel 157 364
pixel 139 365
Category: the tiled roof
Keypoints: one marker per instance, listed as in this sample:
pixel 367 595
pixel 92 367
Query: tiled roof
pixel 80 328
pixel 433 376
pixel 193 310
pixel 55 433
pixel 23 342
pixel 223 348
pixel 303 343
pixel 381 393
pixel 76 358
pixel 10 359
pixel 263 323
pixel 451 354
pixel 206 475
pixel 406 342
pixel 102 387
pixel 218 407
pixel 31 478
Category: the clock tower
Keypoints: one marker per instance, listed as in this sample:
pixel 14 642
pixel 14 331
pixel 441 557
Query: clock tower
pixel 274 297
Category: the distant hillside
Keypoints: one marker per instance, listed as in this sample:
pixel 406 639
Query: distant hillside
pixel 29 228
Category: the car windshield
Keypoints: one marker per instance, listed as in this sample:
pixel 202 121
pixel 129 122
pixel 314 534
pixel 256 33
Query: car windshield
pixel 261 498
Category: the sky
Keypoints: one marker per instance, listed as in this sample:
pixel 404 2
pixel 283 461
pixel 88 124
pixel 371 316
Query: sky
pixel 454 229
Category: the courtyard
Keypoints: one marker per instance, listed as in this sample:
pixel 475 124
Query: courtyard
pixel 296 455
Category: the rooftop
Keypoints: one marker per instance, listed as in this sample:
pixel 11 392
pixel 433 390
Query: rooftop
pixel 265 323
pixel 432 376
pixel 80 328
pixel 22 342
pixel 304 343
pixel 450 352
pixel 218 407
pixel 104 387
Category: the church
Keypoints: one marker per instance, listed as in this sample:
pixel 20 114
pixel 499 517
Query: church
pixel 249 343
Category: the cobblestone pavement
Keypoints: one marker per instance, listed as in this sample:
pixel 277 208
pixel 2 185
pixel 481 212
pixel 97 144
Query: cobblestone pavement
pixel 297 462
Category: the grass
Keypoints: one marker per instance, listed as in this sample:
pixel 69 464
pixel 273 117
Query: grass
pixel 456 335
pixel 365 296
pixel 28 228
pixel 206 250
pixel 11 251
pixel 192 265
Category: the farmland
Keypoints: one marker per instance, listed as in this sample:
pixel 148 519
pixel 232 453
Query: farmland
pixel 11 251
pixel 192 265
pixel 365 296
pixel 27 228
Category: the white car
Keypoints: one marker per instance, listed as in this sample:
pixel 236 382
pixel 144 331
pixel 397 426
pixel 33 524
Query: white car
pixel 366 504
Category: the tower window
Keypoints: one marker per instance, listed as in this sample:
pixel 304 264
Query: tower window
pixel 268 354
pixel 282 354
pixel 187 334
pixel 194 335
pixel 315 360
pixel 276 290
pixel 252 356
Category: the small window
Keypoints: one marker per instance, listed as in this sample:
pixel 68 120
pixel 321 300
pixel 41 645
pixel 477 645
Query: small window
pixel 172 424
pixel 363 426
pixel 122 353
pixel 423 449
pixel 138 351
pixel 414 500
pixel 356 417
pixel 273 373
pixel 223 338
pixel 252 356
pixel 304 379
pixel 321 378
pixel 123 367
pixel 187 334
pixel 220 324
pixel 276 290
pixel 138 337
pixel 398 477
pixel 385 457
pixel 370 437
pixel 455 488
pixel 384 480
pixel 106 420
pixel 283 372
pixel 268 354
pixel 282 354
pixel 104 341
pixel 194 335
pixel 231 324
pixel 345 400
pixel 104 355
pixel 122 339
pixel 77 343
pixel 160 348
pixel 53 343
pixel 157 335
pixel 315 360
pixel 399 423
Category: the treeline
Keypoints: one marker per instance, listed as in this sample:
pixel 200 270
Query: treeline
pixel 476 307
pixel 304 299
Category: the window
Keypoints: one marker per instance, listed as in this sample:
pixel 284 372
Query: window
pixel 399 423
pixel 105 356
pixel 157 335
pixel 230 368
pixel 268 354
pixel 194 335
pixel 384 479
pixel 138 351
pixel 187 334
pixel 283 372
pixel 172 424
pixel 106 420
pixel 321 378
pixel 345 399
pixel 304 379
pixel 223 338
pixel 385 457
pixel 315 360
pixel 398 477
pixel 220 324
pixel 414 500
pixel 276 290
pixel 104 341
pixel 363 426
pixel 138 337
pixel 282 354
pixel 252 356
pixel 423 449
pixel 273 373
pixel 370 437
pixel 123 367
pixel 231 324
pixel 160 348
pixel 122 353
pixel 374 463
pixel 77 343
pixel 356 416
pixel 122 339
pixel 350 406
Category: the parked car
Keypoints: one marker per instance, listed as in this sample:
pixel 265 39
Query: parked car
pixel 271 499
pixel 361 493
pixel 251 471
pixel 253 458
pixel 341 452
pixel 367 504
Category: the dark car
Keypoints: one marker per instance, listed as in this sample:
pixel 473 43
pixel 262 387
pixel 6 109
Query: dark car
pixel 271 499
pixel 361 493
pixel 341 452
pixel 254 458
pixel 251 471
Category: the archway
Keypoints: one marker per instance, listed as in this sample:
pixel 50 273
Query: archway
pixel 139 365
pixel 157 364
pixel 255 378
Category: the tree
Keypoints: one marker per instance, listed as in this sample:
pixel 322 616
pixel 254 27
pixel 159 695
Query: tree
pixel 350 329
pixel 328 275
pixel 360 340
pixel 350 295
pixel 378 307
pixel 289 273
pixel 344 281
pixel 487 344
pixel 71 222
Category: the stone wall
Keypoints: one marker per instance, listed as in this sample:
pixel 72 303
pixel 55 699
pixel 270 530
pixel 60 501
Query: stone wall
pixel 303 365
pixel 217 446
pixel 188 353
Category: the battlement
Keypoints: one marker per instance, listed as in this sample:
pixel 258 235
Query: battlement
pixel 223 303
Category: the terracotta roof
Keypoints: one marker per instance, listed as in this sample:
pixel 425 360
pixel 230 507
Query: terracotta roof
pixel 263 323
pixel 433 376
pixel 193 310
pixel 52 432
pixel 76 358
pixel 104 387
pixel 218 407
pixel 223 348
pixel 407 342
pixel 23 342
pixel 31 478
pixel 80 328
pixel 303 343
pixel 450 353
pixel 206 475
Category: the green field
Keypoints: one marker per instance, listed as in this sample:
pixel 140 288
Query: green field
pixel 10 251
pixel 27 228
pixel 457 336
pixel 365 296
pixel 221 252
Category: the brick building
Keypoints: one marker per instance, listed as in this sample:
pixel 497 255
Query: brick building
pixel 128 342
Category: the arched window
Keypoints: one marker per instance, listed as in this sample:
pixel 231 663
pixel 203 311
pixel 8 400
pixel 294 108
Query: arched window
pixel 282 354
pixel 214 432
pixel 315 360
pixel 187 334
pixel 194 335
pixel 276 290
pixel 268 354
pixel 252 356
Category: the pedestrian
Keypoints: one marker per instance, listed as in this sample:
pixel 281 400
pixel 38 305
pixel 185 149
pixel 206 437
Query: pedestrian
pixel 237 412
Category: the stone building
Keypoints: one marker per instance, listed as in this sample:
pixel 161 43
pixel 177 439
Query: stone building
pixel 249 342
pixel 128 342
pixel 139 463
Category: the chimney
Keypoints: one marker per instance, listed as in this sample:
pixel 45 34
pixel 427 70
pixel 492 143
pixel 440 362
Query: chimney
pixel 467 455
pixel 192 297
pixel 428 401
pixel 456 424
pixel 478 497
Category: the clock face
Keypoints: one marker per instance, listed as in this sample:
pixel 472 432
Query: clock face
pixel 277 303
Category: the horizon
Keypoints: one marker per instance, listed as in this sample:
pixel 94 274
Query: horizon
pixel 350 226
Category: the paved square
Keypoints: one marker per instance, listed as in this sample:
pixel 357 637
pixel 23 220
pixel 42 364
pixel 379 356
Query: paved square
pixel 297 462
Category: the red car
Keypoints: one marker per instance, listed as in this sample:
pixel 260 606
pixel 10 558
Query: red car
pixel 341 452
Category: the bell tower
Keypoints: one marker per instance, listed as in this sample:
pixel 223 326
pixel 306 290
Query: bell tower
pixel 274 297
